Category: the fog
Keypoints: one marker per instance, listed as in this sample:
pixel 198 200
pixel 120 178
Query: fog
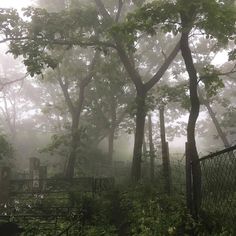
pixel 123 93
pixel 37 106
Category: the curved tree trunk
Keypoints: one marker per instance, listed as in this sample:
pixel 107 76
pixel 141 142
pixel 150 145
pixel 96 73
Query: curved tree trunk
pixel 191 152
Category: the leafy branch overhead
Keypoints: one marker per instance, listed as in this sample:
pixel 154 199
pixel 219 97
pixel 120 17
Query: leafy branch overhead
pixel 213 18
pixel 173 94
pixel 42 33
pixel 212 80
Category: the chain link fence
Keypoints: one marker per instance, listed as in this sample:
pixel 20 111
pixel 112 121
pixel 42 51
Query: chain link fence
pixel 218 188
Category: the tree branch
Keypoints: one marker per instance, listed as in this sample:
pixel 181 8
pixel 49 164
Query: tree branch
pixel 120 5
pixel 88 78
pixel 2 85
pixel 103 10
pixel 64 42
pixel 227 73
pixel 133 73
pixel 65 92
pixel 163 68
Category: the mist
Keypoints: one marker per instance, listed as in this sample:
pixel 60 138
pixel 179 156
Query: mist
pixel 111 103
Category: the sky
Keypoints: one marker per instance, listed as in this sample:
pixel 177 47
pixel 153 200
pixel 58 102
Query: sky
pixel 220 58
pixel 15 3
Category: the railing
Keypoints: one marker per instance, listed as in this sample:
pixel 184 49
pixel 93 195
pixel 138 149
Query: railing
pixel 56 185
pixel 50 207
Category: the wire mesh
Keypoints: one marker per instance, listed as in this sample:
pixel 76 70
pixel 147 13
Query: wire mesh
pixel 218 189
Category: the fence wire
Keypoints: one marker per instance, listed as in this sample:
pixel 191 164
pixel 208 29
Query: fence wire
pixel 218 187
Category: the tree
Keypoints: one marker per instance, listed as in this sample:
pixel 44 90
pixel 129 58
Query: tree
pixel 108 100
pixel 31 44
pixel 142 89
pixel 75 110
pixel 215 19
pixel 188 17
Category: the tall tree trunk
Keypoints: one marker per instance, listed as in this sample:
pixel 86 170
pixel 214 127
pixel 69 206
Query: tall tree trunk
pixel 191 152
pixel 151 147
pixel 69 172
pixel 165 151
pixel 111 135
pixel 220 132
pixel 139 134
pixel 75 142
pixel 144 144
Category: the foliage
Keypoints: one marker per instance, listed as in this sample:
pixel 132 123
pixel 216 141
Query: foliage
pixel 61 142
pixel 9 23
pixel 211 79
pixel 6 149
pixel 140 211
pixel 213 18
pixel 43 31
pixel 167 94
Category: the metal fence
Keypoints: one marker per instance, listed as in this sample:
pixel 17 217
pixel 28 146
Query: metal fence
pixel 51 207
pixel 218 185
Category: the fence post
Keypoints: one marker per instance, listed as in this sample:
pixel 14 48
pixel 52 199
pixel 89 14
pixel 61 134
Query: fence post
pixel 34 173
pixel 4 183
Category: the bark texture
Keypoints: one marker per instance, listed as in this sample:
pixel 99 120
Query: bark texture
pixel 138 139
pixel 191 152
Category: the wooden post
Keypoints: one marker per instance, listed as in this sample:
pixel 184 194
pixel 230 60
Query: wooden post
pixel 34 173
pixel 4 184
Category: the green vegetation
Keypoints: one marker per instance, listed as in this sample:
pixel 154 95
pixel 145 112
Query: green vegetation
pixel 133 211
pixel 104 77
